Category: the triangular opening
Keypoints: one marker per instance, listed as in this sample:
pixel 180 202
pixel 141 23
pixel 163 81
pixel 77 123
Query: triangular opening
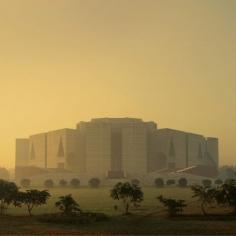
pixel 32 152
pixel 60 152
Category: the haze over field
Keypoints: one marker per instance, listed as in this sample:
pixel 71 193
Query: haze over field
pixel 164 60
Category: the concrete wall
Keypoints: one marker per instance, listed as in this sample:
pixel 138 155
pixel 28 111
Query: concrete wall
pixel 116 146
pixel 98 149
pixel 116 151
pixel 134 150
pixel 22 152
pixel 156 157
pixel 189 149
pixel 81 152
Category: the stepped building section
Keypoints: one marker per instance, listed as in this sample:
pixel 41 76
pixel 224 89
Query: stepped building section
pixel 114 148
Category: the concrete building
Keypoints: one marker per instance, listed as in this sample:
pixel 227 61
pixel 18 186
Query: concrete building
pixel 113 148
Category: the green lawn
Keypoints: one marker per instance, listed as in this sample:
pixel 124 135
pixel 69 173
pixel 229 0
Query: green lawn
pixel 99 200
pixel 150 218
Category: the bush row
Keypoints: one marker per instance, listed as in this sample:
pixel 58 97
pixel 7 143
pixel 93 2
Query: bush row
pixel 183 182
pixel 75 183
pixel 95 182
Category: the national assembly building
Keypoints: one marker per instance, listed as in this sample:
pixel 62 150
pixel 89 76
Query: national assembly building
pixel 115 148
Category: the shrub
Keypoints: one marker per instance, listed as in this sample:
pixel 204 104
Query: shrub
pixel 170 182
pixel 159 182
pixel 49 183
pixel 174 207
pixel 207 182
pixel 94 182
pixel 62 183
pixel 218 182
pixel 25 183
pixel 183 182
pixel 135 181
pixel 75 183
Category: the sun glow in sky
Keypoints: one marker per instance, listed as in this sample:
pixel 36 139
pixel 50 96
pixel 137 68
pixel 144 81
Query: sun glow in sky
pixel 171 61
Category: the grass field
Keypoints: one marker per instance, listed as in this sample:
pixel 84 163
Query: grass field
pixel 150 218
pixel 99 200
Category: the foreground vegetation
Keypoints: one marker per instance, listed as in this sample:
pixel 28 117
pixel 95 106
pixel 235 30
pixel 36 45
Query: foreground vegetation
pixel 133 224
pixel 100 215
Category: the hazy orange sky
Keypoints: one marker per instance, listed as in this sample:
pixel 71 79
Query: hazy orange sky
pixel 171 61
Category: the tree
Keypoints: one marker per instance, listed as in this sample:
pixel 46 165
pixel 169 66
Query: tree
pixel 183 182
pixel 174 207
pixel 94 182
pixel 8 193
pixel 49 183
pixel 207 182
pixel 159 182
pixel 75 183
pixel 226 194
pixel 25 183
pixel 67 205
pixel 62 183
pixel 205 196
pixel 170 182
pixel 33 198
pixel 130 194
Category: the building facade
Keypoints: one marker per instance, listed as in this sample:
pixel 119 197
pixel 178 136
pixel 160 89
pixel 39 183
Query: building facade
pixel 116 148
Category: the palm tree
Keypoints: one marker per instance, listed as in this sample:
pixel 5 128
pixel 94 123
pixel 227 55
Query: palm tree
pixel 204 194
pixel 68 205
pixel 174 206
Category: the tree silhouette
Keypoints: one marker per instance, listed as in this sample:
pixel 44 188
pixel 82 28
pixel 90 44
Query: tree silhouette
pixel 33 198
pixel 226 194
pixel 205 196
pixel 8 193
pixel 174 207
pixel 130 194
pixel 67 205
